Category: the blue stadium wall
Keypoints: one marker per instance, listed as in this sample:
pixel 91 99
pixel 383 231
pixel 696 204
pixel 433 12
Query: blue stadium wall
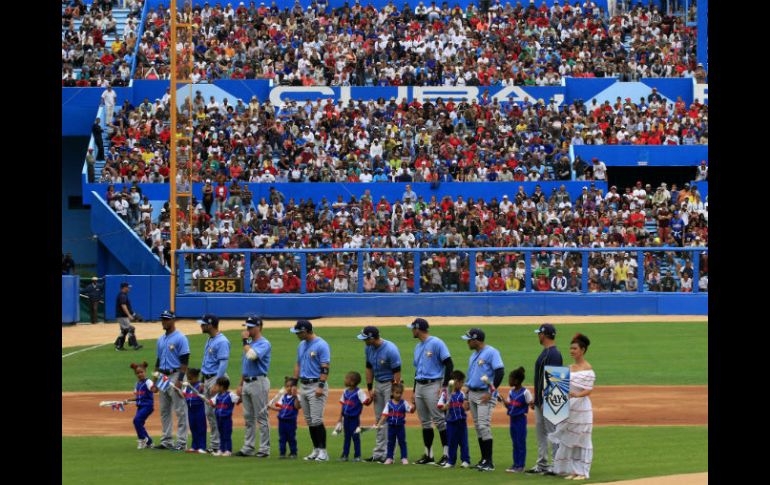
pixel 76 226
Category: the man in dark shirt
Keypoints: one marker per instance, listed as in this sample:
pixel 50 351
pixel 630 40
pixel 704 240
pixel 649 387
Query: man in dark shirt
pixel 549 356
pixel 96 131
pixel 67 264
pixel 125 314
pixel 94 294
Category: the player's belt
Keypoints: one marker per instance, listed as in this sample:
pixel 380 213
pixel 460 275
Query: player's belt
pixel 384 381
pixel 426 381
pixel 309 381
pixel 208 376
pixel 252 379
pixel 478 389
pixel 167 372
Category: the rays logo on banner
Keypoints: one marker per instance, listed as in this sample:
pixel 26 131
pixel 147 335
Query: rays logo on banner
pixel 556 394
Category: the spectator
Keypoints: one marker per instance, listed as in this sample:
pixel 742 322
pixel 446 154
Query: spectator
pixel 482 282
pixel 703 283
pixel 496 282
pixel 559 282
pixel 67 264
pixel 668 283
pixel 703 172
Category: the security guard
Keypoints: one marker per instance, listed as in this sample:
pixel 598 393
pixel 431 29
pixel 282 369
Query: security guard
pixel 173 355
pixel 254 388
pixel 383 369
pixel 216 355
pixel 95 295
pixel 312 370
pixel 432 369
pixel 485 361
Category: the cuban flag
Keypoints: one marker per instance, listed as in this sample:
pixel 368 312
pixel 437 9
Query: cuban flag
pixel 163 382
pixel 118 407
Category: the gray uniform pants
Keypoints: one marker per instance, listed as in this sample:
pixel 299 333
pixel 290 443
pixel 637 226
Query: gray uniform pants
pixel 255 411
pixel 312 405
pixel 482 414
pixel 543 427
pixel 170 400
pixel 425 399
pixel 382 394
pixel 210 416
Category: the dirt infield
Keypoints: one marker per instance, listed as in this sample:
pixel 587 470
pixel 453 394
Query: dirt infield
pixel 104 333
pixel 614 405
pixel 687 479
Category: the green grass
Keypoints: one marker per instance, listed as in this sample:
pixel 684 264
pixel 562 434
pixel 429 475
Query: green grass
pixel 630 353
pixel 620 453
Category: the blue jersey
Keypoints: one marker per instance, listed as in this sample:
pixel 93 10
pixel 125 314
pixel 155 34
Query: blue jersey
pixel 216 354
pixel 519 402
pixel 143 393
pixel 170 348
pixel 483 363
pixel 261 366
pixel 310 355
pixel 677 225
pixel 353 401
pixel 455 410
pixel 429 357
pixel 288 408
pixel 224 404
pixel 396 412
pixel 383 360
pixel 192 399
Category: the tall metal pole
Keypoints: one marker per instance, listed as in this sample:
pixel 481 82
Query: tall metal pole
pixel 172 156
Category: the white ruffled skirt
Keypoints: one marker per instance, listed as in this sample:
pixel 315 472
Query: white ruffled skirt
pixel 573 436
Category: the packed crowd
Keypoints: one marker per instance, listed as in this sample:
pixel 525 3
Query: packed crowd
pixel 521 44
pixel 87 59
pixel 381 141
pixel 555 220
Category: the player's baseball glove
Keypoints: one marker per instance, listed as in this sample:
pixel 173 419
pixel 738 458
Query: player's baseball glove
pixel 138 317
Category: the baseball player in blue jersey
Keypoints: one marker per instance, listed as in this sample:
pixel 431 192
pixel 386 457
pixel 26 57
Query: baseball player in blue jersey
pixel 432 368
pixel 196 410
pixel 457 421
pixel 312 370
pixel 352 402
pixel 173 355
pixel 145 404
pixel 288 409
pixel 254 388
pixel 216 355
pixel 518 401
pixel 383 369
pixel 484 365
pixel 395 413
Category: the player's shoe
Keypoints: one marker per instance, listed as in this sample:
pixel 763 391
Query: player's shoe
pixel 262 454
pixel 580 477
pixel 372 459
pixel 570 477
pixel 312 456
pixel 240 453
pixel 202 452
pixel 513 469
pixel 487 466
pixel 217 453
pixel 356 459
pixel 162 447
pixel 138 347
pixel 141 444
pixel 404 461
pixel 291 457
pixel 227 453
pixel 322 455
pixel 424 460
pixel 445 465
pixel 342 458
pixel 477 465
pixel 443 461
pixel 535 469
pixel 465 464
pixel 389 461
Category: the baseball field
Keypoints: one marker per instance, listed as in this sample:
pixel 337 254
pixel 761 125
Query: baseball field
pixel 650 402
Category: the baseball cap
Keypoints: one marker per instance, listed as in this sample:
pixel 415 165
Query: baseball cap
pixel 474 334
pixel 547 329
pixel 124 285
pixel 369 332
pixel 94 278
pixel 167 315
pixel 253 321
pixel 419 324
pixel 302 325
pixel 209 319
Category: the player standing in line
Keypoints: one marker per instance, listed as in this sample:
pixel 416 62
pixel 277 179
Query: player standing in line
pixel 145 404
pixel 353 401
pixel 196 410
pixel 484 364
pixel 254 388
pixel 519 399
pixel 383 369
pixel 216 355
pixel 312 370
pixel 432 362
pixel 395 413
pixel 456 421
pixel 223 403
pixel 287 419
pixel 173 355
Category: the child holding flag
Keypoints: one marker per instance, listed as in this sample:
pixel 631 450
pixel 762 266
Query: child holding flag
pixel 145 404
pixel 196 411
pixel 456 421
pixel 224 402
pixel 352 401
pixel 517 403
pixel 395 413
pixel 288 409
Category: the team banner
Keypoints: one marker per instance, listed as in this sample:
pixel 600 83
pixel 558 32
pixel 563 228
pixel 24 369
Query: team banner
pixel 556 393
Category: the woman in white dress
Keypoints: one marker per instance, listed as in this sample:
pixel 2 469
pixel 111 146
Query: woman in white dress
pixel 573 436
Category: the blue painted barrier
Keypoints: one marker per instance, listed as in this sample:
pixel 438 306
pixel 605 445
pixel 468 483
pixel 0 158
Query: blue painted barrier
pixel 70 299
pixel 644 155
pixel 78 106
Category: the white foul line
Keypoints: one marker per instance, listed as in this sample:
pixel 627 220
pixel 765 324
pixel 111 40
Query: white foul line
pixel 82 350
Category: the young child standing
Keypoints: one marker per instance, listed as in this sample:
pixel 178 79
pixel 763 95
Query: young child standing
pixel 288 409
pixel 196 411
pixel 517 403
pixel 353 401
pixel 456 422
pixel 224 402
pixel 395 413
pixel 145 404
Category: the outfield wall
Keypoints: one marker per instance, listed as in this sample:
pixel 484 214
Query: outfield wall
pixel 70 299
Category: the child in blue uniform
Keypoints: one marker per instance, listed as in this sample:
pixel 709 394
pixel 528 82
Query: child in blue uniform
pixel 224 402
pixel 196 411
pixel 517 403
pixel 353 401
pixel 456 422
pixel 395 413
pixel 145 404
pixel 288 409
